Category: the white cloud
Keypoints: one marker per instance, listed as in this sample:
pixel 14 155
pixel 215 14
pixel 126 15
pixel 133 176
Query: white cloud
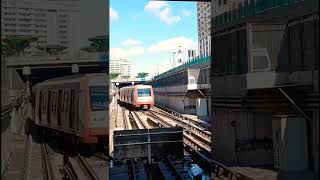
pixel 121 53
pixel 172 44
pixel 136 51
pixel 131 42
pixel 113 14
pixel 155 5
pixel 165 16
pixel 185 12
pixel 162 10
pixel 118 53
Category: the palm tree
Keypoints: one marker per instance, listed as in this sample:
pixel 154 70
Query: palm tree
pixel 15 45
pixel 98 44
pixel 114 75
pixel 142 75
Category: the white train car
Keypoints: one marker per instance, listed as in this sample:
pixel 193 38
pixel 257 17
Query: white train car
pixel 76 105
pixel 137 96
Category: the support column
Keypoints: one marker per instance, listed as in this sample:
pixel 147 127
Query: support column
pixel 27 73
pixel 75 68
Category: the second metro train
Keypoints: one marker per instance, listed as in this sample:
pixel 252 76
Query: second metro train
pixel 137 96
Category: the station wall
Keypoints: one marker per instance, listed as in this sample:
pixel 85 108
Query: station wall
pixel 248 126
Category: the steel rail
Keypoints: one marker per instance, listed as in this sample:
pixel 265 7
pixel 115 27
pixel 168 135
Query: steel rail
pixel 137 120
pixel 198 133
pixel 87 167
pixel 188 126
pixel 145 124
pixel 162 122
pixel 101 156
pixel 47 165
pixel 175 170
pixel 126 122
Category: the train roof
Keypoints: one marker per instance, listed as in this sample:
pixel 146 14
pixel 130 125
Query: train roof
pixel 70 79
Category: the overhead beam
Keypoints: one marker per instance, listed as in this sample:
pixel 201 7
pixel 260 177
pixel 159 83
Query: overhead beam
pixel 294 104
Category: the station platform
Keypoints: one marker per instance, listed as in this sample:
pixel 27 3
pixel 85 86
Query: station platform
pixel 16 162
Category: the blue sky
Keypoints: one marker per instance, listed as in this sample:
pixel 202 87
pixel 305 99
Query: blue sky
pixel 147 31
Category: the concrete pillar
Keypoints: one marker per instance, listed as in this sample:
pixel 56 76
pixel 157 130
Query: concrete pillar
pixel 27 72
pixel 75 68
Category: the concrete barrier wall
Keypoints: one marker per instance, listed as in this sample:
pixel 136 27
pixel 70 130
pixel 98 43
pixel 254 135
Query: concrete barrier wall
pixel 248 125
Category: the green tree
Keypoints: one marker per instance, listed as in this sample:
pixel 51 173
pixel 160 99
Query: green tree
pixel 142 75
pixel 114 75
pixel 98 44
pixel 15 45
pixel 125 77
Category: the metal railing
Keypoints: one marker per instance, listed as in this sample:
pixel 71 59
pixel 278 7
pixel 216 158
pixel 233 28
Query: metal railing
pixel 190 63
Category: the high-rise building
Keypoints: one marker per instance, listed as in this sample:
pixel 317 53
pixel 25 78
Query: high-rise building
pixel 60 26
pixel 124 67
pixel 204 25
pixel 51 22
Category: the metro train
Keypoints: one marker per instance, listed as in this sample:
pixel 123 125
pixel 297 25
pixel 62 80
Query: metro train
pixel 76 105
pixel 137 96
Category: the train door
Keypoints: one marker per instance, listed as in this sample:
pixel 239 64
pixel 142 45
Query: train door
pixel 65 115
pixel 38 105
pixel 44 107
pixel 73 109
pixel 129 96
pixel 48 107
pixel 54 104
pixel 80 111
pixel 132 96
pixel 59 106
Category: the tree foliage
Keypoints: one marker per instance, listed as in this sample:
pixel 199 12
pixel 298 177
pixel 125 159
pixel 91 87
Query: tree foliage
pixel 15 45
pixel 142 75
pixel 114 75
pixel 97 44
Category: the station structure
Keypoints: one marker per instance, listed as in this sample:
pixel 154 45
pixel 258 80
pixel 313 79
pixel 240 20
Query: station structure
pixel 186 88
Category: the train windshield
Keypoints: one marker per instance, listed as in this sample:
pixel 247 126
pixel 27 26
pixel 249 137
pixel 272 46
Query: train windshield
pixel 144 92
pixel 99 98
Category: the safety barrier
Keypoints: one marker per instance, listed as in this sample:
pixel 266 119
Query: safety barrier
pixel 188 64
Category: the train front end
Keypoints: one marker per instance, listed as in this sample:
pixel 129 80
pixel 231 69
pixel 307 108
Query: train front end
pixel 144 97
pixel 98 126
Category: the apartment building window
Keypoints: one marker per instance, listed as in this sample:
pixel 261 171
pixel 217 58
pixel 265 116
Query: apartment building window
pixel 9 13
pixel 24 30
pixel 9 25
pixel 9 19
pixel 10 30
pixel 63 21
